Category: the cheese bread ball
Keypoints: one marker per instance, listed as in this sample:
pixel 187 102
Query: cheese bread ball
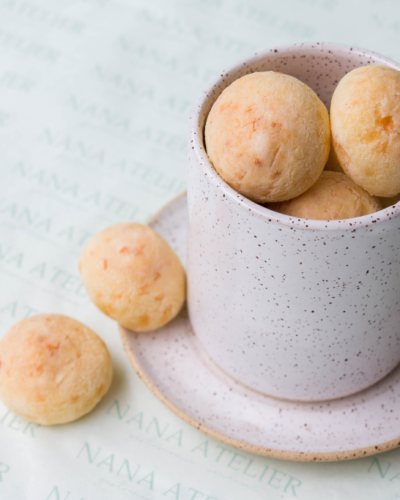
pixel 133 276
pixel 268 136
pixel 365 121
pixel 53 369
pixel 333 196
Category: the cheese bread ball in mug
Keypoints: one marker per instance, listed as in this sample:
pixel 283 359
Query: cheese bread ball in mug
pixel 133 276
pixel 365 121
pixel 268 136
pixel 53 369
pixel 334 196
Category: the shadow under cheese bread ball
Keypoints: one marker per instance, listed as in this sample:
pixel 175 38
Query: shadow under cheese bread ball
pixel 365 121
pixel 53 369
pixel 332 163
pixel 334 196
pixel 268 136
pixel 133 275
pixel 389 202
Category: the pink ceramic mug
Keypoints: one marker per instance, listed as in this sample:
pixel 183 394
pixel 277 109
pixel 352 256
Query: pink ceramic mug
pixel 294 308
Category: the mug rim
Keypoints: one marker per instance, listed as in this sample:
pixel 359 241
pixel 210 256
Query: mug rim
pixel 196 138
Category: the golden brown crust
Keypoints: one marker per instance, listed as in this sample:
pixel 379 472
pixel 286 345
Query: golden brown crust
pixel 365 121
pixel 53 369
pixel 133 276
pixel 334 196
pixel 268 136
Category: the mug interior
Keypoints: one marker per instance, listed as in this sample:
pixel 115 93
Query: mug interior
pixel 320 66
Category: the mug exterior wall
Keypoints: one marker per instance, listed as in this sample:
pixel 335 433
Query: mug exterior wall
pixel 297 309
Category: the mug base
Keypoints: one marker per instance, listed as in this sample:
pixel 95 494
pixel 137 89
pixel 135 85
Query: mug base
pixel 203 353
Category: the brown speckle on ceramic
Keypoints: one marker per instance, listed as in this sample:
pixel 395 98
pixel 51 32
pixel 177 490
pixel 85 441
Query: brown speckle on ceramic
pixel 295 308
pixel 176 369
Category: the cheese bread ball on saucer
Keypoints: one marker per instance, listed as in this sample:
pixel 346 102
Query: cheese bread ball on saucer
pixel 365 121
pixel 334 196
pixel 133 276
pixel 53 369
pixel 268 136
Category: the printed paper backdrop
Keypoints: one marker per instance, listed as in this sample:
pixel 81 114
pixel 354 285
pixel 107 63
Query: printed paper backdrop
pixel 95 97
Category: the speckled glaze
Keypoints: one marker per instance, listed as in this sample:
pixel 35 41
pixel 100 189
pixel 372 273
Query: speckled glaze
pixel 294 308
pixel 176 369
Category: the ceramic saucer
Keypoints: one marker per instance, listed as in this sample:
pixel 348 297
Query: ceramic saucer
pixel 175 368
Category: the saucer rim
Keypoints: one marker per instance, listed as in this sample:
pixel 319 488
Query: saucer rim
pixel 298 456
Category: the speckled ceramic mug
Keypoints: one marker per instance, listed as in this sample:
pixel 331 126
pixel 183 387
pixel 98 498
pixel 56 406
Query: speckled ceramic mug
pixel 294 308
